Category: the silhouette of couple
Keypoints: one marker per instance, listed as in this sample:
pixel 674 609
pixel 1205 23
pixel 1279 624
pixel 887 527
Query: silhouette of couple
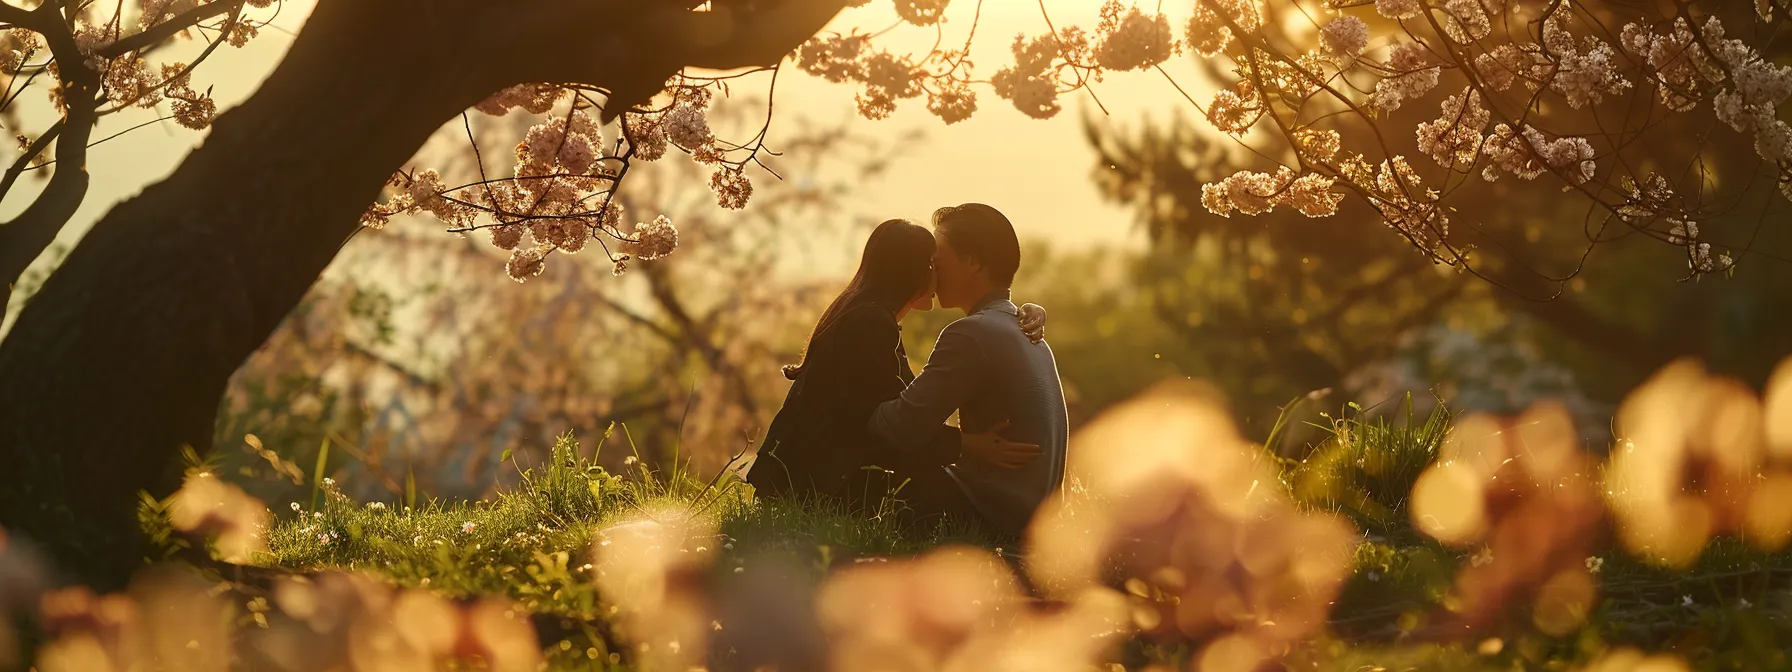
pixel 858 426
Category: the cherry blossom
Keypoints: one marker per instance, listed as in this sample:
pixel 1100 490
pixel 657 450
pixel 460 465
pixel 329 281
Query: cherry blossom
pixel 1132 41
pixel 1454 138
pixel 921 12
pixel 1413 76
pixel 732 188
pixel 1236 109
pixel 525 264
pixel 953 103
pixel 652 240
pixel 1345 36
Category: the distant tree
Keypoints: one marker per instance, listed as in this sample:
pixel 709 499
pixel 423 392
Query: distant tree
pixel 122 354
pixel 411 358
pixel 1280 303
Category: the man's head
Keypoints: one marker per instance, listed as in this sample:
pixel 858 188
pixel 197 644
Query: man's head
pixel 978 253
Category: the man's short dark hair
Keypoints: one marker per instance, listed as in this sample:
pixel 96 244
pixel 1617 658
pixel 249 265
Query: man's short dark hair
pixel 981 232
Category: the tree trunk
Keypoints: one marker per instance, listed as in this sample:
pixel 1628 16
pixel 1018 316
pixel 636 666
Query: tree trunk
pixel 123 355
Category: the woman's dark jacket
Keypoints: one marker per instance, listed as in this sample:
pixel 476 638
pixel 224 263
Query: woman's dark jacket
pixel 821 441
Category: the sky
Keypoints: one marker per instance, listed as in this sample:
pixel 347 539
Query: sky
pixel 1035 171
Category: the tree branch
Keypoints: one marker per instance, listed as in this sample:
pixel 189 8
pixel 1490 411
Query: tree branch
pixel 699 339
pixel 24 161
pixel 18 16
pixel 25 237
pixel 167 29
pixel 652 43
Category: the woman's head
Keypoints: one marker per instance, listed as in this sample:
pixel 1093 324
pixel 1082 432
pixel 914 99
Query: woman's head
pixel 897 266
pixel 896 270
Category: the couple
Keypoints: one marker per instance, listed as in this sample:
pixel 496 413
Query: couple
pixel 858 423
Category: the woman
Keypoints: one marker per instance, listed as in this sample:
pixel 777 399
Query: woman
pixel 820 443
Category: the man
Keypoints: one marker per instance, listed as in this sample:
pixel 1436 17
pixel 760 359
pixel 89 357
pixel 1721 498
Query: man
pixel 987 370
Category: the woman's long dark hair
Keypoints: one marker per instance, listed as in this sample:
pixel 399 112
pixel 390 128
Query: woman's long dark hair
pixel 896 266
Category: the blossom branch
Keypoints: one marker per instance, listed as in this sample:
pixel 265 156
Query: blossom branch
pixel 165 30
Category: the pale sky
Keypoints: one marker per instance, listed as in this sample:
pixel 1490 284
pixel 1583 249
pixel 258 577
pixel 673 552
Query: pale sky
pixel 1036 171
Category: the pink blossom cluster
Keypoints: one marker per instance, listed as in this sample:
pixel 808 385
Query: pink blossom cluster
pixel 953 103
pixel 1132 40
pixel 1412 76
pixel 1699 257
pixel 1583 75
pixel 1454 138
pixel 1031 82
pixel 652 240
pixel 533 98
pixel 921 12
pixel 1208 33
pixel 1401 198
pixel 1252 193
pixel 1683 60
pixel 1678 63
pixel 1317 144
pixel 1236 109
pixel 1645 200
pixel 1399 9
pixel 835 58
pixel 16 47
pixel 1527 152
pixel 1466 20
pixel 1344 37
pixel 888 77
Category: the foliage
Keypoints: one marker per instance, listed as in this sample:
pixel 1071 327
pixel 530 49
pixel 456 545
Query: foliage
pixel 1279 302
pixel 1412 594
pixel 1369 464
pixel 412 360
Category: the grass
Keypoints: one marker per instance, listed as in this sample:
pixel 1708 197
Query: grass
pixel 532 544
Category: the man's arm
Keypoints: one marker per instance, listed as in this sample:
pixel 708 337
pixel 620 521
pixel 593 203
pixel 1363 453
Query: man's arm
pixel 953 372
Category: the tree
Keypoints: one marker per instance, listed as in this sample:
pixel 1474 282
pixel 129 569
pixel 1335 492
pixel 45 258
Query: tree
pixel 1280 303
pixel 412 359
pixel 122 354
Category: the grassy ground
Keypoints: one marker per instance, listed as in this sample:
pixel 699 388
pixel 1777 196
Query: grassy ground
pixel 534 545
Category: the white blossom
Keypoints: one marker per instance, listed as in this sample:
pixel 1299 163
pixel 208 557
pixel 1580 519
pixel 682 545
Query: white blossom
pixel 1136 41
pixel 1345 36
pixel 1398 9
pixel 652 240
pixel 1584 74
pixel 1454 138
pixel 1025 83
pixel 1413 76
pixel 1465 20
pixel 687 127
pixel 1527 153
pixel 1236 109
pixel 525 264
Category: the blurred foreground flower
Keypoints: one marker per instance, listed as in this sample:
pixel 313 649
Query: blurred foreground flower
pixel 651 573
pixel 357 622
pixel 1191 520
pixel 1631 660
pixel 238 522
pixel 1700 456
pixel 170 619
pixel 1522 491
pixel 960 609
pixel 166 621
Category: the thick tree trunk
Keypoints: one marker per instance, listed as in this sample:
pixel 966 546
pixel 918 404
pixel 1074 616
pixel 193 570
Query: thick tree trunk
pixel 123 355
